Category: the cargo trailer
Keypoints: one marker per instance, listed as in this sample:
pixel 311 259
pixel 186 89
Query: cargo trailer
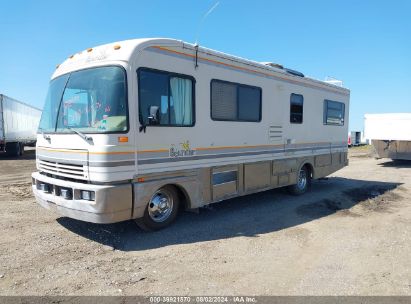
pixel 390 134
pixel 354 138
pixel 18 125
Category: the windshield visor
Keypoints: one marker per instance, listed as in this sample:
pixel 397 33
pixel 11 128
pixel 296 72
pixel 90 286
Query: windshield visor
pixel 91 101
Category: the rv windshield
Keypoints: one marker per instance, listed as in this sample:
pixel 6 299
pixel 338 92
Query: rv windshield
pixel 90 101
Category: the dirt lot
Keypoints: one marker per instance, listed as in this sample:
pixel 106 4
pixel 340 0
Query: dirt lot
pixel 350 235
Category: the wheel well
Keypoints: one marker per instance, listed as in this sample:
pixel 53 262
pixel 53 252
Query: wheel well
pixel 182 196
pixel 310 169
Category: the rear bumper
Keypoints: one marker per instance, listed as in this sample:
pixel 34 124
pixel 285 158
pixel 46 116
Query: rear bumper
pixel 113 203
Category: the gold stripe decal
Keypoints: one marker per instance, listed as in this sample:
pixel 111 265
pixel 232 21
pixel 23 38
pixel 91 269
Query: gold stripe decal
pixel 166 150
pixel 85 152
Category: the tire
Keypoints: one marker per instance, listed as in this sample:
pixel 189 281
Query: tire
pixel 17 149
pixel 161 210
pixel 303 182
pixel 21 149
pixel 13 149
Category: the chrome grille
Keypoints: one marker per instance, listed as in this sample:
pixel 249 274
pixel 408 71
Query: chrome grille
pixel 62 169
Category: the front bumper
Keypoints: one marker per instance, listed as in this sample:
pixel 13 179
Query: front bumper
pixel 112 203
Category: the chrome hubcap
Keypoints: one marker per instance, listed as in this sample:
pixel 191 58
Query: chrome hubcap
pixel 160 206
pixel 302 179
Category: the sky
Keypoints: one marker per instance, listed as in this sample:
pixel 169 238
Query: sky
pixel 366 44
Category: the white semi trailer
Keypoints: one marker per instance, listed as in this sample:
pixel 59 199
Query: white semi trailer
pixel 139 128
pixel 390 134
pixel 18 125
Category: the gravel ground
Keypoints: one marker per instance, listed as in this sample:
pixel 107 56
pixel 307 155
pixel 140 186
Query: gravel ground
pixel 350 235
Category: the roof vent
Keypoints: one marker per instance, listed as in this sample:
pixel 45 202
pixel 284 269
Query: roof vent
pixel 334 81
pixel 279 66
pixel 294 72
pixel 273 65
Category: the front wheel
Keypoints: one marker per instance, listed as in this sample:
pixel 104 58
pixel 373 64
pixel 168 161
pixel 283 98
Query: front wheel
pixel 303 182
pixel 161 210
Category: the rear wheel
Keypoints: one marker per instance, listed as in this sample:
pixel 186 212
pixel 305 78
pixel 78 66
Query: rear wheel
pixel 303 182
pixel 161 210
pixel 14 149
pixel 21 149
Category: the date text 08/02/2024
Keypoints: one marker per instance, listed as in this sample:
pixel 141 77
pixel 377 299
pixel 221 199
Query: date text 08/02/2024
pixel 202 299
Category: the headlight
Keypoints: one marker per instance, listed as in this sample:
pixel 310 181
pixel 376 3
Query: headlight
pixel 87 195
pixel 44 187
pixel 66 193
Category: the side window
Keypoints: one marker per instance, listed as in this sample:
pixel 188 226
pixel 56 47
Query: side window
pixel 249 103
pixel 171 94
pixel 296 108
pixel 223 101
pixel 334 112
pixel 235 102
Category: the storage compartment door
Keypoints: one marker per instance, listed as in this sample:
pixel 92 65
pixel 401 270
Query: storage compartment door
pixel 224 182
pixel 257 176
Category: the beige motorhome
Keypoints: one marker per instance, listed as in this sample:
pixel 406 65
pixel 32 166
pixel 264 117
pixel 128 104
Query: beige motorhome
pixel 139 129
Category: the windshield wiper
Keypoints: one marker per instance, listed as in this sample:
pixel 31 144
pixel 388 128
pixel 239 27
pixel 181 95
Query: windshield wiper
pixel 81 134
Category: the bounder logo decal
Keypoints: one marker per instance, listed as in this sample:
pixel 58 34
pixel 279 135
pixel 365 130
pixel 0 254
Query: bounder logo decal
pixel 181 150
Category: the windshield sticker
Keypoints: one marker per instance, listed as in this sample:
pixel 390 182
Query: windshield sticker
pixel 103 124
pixel 181 150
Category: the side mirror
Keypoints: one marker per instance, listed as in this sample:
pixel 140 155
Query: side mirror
pixel 153 118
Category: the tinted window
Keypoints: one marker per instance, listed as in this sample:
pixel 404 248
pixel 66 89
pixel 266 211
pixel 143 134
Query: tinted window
pixel 249 101
pixel 172 94
pixel 334 112
pixel 296 108
pixel 223 101
pixel 235 102
pixel 153 91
